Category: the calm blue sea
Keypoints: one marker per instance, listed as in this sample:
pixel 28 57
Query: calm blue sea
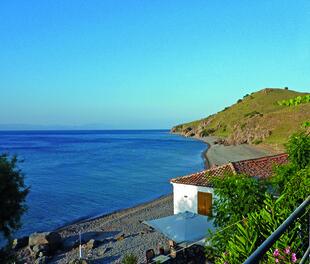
pixel 77 174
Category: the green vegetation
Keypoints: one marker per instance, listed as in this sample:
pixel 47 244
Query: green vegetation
pixel 257 141
pixel 295 101
pixel 130 259
pixel 13 193
pixel 305 124
pixel 258 113
pixel 257 207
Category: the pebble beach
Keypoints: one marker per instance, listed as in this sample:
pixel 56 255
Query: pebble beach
pixel 119 233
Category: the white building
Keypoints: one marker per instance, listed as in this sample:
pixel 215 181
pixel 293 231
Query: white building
pixel 194 193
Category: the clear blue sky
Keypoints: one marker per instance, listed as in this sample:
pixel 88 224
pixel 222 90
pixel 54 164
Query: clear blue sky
pixel 145 64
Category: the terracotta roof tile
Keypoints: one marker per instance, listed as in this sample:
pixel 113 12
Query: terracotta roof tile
pixel 202 178
pixel 260 167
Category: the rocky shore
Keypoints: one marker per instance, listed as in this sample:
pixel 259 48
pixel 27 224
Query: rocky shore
pixel 106 239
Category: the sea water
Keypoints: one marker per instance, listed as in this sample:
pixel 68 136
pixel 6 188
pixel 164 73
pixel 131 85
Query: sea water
pixel 80 174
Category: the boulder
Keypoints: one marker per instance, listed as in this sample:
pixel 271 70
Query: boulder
pixel 53 239
pixel 70 243
pixel 19 243
pixel 38 239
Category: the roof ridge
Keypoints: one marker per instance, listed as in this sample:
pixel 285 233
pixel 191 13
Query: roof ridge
pixel 261 158
pixel 189 175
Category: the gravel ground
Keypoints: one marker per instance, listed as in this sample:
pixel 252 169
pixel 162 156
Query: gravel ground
pixel 220 154
pixel 137 236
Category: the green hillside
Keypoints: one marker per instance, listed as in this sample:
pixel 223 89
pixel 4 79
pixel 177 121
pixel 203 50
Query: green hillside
pixel 258 118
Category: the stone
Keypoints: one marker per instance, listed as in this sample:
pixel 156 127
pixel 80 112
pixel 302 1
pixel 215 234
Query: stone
pixel 38 239
pixel 70 243
pixel 41 260
pixel 91 244
pixel 40 250
pixel 120 237
pixel 19 243
pixel 53 239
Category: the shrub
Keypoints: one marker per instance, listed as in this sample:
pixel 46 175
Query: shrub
pixel 239 101
pixel 13 193
pixel 130 259
pixel 298 148
pixel 206 132
pixel 257 141
pixel 305 124
pixel 295 101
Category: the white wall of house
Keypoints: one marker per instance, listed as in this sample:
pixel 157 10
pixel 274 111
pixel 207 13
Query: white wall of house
pixel 185 197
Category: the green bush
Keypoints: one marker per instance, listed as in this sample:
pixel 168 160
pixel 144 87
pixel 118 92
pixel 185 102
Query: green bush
pixel 207 132
pixel 305 124
pixel 295 101
pixel 13 192
pixel 257 141
pixel 130 259
pixel 298 148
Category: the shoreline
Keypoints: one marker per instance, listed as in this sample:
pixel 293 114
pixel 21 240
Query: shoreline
pixel 209 141
pixel 218 154
pixel 126 210
pixel 208 163
pixel 117 234
pixel 84 219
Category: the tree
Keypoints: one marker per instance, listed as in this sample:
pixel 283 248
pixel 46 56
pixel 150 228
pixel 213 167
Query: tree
pixel 292 184
pixel 13 193
pixel 298 148
pixel 237 196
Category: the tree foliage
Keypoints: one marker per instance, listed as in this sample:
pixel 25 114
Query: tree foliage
pixel 237 195
pixel 238 238
pixel 298 148
pixel 13 193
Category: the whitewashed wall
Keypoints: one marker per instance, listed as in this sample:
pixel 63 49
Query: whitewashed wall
pixel 185 197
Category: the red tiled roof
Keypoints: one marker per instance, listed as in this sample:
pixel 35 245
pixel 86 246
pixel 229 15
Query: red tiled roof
pixel 260 167
pixel 202 178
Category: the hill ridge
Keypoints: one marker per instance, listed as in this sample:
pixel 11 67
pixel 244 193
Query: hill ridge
pixel 257 118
